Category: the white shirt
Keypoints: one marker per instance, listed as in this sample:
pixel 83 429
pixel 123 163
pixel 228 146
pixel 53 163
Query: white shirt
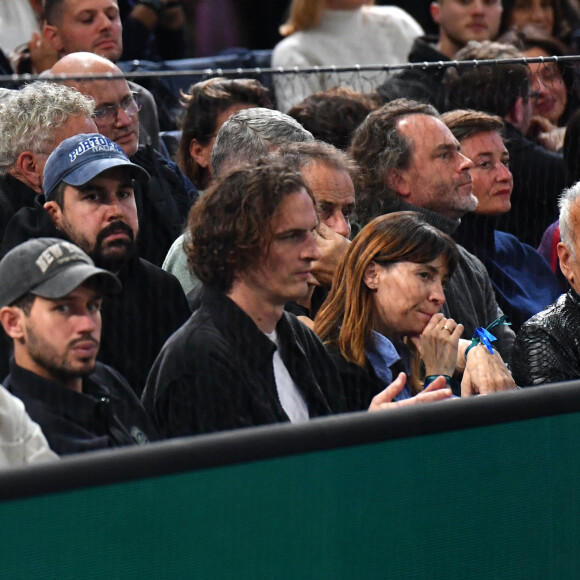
pixel 290 397
pixel 21 440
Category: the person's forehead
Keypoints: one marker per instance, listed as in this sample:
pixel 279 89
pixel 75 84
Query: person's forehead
pixel 106 92
pixel 483 142
pixel 72 7
pixel 328 181
pixel 425 131
pixel 295 211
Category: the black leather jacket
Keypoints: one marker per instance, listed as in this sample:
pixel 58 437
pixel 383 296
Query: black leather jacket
pixel 547 348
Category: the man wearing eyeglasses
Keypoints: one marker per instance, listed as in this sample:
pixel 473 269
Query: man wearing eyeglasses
pixel 164 202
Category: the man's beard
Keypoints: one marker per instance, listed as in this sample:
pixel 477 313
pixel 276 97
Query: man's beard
pixel 113 255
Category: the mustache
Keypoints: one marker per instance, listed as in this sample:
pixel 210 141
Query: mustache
pixel 114 228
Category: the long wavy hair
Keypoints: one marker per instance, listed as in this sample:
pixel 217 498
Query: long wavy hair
pixel 347 317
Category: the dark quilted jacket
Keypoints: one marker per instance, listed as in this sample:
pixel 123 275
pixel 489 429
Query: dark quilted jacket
pixel 547 348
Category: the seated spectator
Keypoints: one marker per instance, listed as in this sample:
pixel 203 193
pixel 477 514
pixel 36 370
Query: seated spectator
pixel 409 160
pixel 558 18
pixel 207 106
pixel 163 202
pixel 89 200
pixel 382 314
pixel 547 347
pixel 504 90
pixel 33 121
pixel 551 83
pixel 551 238
pixel 21 440
pixel 241 361
pixel 152 29
pixel 50 307
pixel 458 21
pixel 333 115
pixel 343 33
pixel 523 282
pixel 328 173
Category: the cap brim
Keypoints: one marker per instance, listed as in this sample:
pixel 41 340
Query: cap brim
pixel 88 171
pixel 64 282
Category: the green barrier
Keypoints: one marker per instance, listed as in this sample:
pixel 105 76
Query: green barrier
pixel 482 488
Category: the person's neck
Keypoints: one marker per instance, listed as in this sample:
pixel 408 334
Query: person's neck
pixel 264 314
pixel 446 46
pixel 35 186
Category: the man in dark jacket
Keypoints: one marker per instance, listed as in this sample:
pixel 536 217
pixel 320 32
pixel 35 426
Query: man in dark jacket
pixel 459 22
pixel 50 307
pixel 97 211
pixel 163 202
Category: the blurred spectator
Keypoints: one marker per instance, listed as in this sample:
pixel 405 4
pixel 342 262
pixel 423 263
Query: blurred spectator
pixel 459 22
pixel 559 18
pixel 207 106
pixel 339 32
pixel 552 83
pixel 333 115
pixel 152 29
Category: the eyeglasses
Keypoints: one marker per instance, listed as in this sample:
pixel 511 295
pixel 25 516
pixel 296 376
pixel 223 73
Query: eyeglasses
pixel 106 116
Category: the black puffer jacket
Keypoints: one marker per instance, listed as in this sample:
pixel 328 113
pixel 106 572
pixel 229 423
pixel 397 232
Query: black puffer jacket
pixel 547 348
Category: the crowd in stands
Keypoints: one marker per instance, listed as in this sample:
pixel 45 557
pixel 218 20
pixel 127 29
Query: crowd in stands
pixel 318 246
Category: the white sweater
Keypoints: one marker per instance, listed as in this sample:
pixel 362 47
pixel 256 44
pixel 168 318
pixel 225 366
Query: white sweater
pixel 371 35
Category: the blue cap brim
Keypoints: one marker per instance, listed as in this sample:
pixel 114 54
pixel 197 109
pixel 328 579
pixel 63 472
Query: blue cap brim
pixel 88 171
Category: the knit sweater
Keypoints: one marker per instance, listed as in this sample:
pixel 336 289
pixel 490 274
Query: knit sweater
pixel 371 35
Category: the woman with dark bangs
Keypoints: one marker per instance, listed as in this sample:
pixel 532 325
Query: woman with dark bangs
pixel 382 316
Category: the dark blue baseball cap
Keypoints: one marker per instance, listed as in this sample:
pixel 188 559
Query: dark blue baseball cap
pixel 79 159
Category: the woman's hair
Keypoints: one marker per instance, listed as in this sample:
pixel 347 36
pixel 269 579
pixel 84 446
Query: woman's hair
pixel 566 17
pixel 204 102
pixel 531 36
pixel 346 318
pixel 304 15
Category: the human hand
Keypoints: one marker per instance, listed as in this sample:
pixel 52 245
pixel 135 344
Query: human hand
pixel 437 345
pixel 485 373
pixel 436 391
pixel 332 248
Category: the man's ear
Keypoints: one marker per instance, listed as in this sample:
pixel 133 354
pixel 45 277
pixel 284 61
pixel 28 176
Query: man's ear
pixel 30 171
pixel 397 181
pixel 434 11
pixel 52 34
pixel 566 262
pixel 12 320
pixel 371 276
pixel 55 212
pixel 515 115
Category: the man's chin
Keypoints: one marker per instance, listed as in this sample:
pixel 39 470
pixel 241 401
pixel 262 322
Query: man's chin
pixel 114 256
